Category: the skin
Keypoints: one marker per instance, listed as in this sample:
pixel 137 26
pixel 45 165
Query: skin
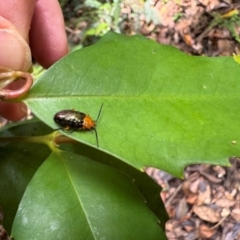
pixel 29 27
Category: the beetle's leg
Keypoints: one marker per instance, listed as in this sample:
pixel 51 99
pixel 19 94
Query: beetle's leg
pixel 62 128
pixel 96 134
pixel 72 130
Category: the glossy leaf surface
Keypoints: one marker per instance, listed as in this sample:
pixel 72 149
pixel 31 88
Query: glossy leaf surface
pixel 71 197
pixel 148 188
pixel 162 108
pixel 18 163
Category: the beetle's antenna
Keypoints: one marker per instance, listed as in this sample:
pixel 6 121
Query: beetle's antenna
pixel 96 135
pixel 99 113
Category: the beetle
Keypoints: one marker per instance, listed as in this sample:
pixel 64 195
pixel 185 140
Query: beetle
pixel 73 121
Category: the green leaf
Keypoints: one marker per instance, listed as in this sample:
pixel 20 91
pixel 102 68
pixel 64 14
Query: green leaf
pixel 18 163
pixel 146 186
pixel 72 197
pixel 162 108
pixel 236 58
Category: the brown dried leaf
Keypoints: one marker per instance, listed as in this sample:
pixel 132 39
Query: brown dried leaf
pixel 189 225
pixel 236 214
pixel 190 197
pixel 225 46
pixel 210 4
pixel 171 211
pixel 207 213
pixel 220 171
pixel 231 195
pixel 182 209
pixel 187 38
pixel 194 186
pixel 173 227
pixel 225 203
pixel 204 195
pixel 169 225
pixel 167 11
pixel 205 231
pixel 211 178
pixel 225 212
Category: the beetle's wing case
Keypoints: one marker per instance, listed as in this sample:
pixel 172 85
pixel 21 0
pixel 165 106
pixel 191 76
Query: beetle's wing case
pixel 69 118
pixel 74 120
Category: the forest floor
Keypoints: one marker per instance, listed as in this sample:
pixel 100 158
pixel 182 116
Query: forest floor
pixel 204 27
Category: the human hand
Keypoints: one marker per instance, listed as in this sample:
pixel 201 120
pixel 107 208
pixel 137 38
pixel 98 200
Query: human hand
pixel 38 24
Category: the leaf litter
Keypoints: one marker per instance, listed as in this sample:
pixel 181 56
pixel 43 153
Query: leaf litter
pixel 205 205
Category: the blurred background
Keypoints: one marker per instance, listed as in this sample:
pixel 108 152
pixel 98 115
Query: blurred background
pixel 209 27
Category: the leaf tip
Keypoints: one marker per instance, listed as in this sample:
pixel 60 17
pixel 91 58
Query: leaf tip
pixel 236 58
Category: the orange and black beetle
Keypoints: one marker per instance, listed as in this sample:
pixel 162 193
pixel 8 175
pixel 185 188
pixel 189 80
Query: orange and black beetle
pixel 73 121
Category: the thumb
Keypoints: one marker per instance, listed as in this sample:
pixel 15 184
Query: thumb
pixel 15 52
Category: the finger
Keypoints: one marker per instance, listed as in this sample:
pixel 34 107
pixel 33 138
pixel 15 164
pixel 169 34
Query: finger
pixel 48 39
pixel 14 50
pixel 15 20
pixel 19 13
pixel 13 111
